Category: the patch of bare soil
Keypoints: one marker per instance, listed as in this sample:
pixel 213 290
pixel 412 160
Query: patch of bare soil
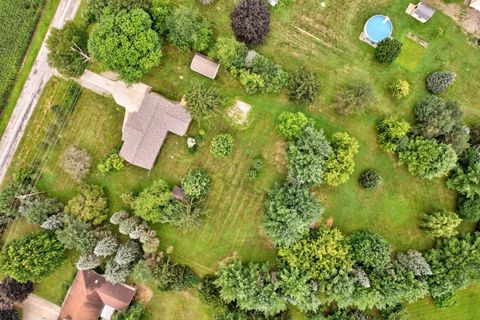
pixel 144 293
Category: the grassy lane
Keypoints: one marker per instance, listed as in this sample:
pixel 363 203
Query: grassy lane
pixel 35 45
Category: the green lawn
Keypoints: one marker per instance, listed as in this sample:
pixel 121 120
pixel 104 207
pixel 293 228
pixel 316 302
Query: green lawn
pixel 411 54
pixel 326 41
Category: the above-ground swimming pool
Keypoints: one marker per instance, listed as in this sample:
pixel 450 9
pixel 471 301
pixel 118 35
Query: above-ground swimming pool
pixel 378 28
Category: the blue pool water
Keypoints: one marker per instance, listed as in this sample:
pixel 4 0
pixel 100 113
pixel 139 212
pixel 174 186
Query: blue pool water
pixel 378 28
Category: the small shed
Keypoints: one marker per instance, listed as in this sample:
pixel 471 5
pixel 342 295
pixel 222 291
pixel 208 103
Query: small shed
pixel 177 193
pixel 422 12
pixel 475 4
pixel 204 66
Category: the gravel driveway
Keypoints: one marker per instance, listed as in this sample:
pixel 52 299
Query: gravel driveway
pixel 36 308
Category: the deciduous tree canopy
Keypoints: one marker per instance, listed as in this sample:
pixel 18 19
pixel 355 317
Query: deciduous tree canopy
pixel 250 21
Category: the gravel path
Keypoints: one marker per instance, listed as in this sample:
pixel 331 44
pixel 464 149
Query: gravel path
pixel 37 79
pixel 36 308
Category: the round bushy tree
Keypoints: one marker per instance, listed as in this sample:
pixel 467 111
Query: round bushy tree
pixel 88 262
pixel 340 165
pixel 127 253
pixel 469 208
pixel 203 101
pixel 125 43
pixel 76 234
pixel 400 89
pixel 89 205
pixel 187 30
pixel 116 273
pixel 370 179
pixel 32 257
pixel 250 21
pixel 291 124
pixel 440 80
pixel 369 249
pixel 106 246
pixel 304 86
pixel 196 184
pixel 221 145
pixel 388 50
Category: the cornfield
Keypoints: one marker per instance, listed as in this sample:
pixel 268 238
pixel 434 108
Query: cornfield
pixel 18 19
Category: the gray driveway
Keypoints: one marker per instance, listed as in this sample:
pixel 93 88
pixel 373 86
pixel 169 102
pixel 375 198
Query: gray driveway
pixel 36 308
pixel 36 81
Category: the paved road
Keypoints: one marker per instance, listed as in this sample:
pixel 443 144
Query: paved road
pixel 37 79
pixel 36 308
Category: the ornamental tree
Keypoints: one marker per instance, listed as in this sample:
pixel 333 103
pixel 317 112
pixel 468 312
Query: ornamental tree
pixel 127 253
pixel 106 246
pixel 291 124
pixel 89 205
pixel 67 49
pixel 76 162
pixel 15 291
pixel 203 101
pixel 440 80
pixel 388 50
pixel 32 257
pixel 250 21
pixel 440 223
pixel 340 164
pixel 290 210
pixel 370 179
pixel 304 86
pixel 307 155
pixel 369 249
pixel 400 89
pixel 230 53
pixel 188 30
pixel 125 43
pixel 414 262
pixel 427 158
pixel 196 184
pixel 252 286
pixel 88 262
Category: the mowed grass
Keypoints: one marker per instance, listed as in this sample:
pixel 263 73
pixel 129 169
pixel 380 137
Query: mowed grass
pixel 411 54
pixel 325 40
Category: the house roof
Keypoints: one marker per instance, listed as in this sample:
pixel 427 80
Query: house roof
pixel 145 131
pixel 423 11
pixel 90 293
pixel 204 66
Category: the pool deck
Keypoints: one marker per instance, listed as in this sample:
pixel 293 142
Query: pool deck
pixel 365 39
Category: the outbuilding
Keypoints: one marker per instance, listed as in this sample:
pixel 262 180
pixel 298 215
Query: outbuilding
pixel 204 66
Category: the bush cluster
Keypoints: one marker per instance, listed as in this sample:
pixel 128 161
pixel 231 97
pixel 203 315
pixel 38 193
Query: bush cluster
pixel 255 169
pixel 221 145
pixel 110 163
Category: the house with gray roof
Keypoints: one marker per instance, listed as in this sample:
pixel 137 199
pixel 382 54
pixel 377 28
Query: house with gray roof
pixel 203 65
pixel 421 12
pixel 149 117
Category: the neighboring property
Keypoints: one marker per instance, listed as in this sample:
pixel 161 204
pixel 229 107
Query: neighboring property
pixel 91 297
pixel 204 66
pixel 421 11
pixel 475 4
pixel 148 117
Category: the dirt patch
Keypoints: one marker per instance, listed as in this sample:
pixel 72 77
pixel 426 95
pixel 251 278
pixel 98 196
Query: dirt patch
pixel 144 293
pixel 239 114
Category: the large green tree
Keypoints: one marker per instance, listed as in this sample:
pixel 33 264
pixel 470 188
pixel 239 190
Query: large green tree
pixel 466 176
pixel 67 49
pixel 125 43
pixel 76 234
pixel 440 223
pixel 154 203
pixel 369 249
pixel 32 257
pixel 188 30
pixel 290 210
pixel 89 205
pixel 307 155
pixel 251 286
pixel 428 158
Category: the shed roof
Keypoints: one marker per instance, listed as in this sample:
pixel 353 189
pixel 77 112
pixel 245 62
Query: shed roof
pixel 204 66
pixel 145 131
pixel 423 11
pixel 475 4
pixel 90 293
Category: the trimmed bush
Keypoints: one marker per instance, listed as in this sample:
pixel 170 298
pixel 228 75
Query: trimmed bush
pixel 388 50
pixel 221 145
pixel 400 89
pixel 440 80
pixel 370 179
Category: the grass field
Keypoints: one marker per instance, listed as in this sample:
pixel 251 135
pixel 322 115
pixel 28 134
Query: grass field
pixel 325 40
pixel 411 55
